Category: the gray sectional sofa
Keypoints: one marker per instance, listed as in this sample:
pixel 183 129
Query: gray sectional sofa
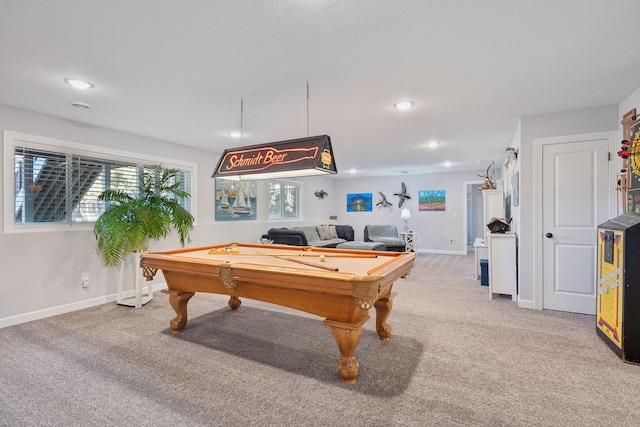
pixel 311 235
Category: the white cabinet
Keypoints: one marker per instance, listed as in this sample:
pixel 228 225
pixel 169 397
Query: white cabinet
pixel 492 206
pixel 502 264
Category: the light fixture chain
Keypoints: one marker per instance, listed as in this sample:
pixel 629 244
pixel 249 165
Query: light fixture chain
pixel 307 107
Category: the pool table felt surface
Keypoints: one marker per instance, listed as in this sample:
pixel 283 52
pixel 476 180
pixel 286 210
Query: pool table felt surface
pixel 350 262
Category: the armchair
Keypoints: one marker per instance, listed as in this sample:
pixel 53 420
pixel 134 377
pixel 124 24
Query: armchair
pixel 387 234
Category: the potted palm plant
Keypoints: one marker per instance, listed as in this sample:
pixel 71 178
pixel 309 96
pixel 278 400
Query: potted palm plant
pixel 132 220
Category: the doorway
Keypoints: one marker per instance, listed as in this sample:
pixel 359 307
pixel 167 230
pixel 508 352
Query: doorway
pixel 473 211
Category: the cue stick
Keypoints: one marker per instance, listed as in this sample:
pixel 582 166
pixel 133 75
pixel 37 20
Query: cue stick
pixel 299 261
pixel 341 255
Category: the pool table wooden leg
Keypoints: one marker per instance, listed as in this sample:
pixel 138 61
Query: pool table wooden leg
pixel 347 337
pixel 178 300
pixel 383 309
pixel 234 302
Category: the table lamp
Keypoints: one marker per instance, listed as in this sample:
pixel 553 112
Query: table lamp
pixel 406 215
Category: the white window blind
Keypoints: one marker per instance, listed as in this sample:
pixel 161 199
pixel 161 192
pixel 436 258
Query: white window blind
pixel 55 185
pixel 40 186
pixel 284 199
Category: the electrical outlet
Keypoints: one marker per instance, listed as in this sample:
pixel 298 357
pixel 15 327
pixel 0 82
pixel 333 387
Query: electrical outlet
pixel 84 278
pixel 451 241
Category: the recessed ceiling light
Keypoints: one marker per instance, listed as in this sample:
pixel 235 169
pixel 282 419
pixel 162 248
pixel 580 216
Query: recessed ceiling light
pixel 234 134
pixel 447 164
pixel 403 105
pixel 79 84
pixel 80 105
pixel 433 144
pixel 353 171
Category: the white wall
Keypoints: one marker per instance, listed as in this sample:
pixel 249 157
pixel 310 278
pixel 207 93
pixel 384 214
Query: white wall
pixel 438 232
pixel 540 126
pixel 40 271
pixel 632 101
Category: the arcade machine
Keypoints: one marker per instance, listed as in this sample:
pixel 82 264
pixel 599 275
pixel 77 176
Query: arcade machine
pixel 618 286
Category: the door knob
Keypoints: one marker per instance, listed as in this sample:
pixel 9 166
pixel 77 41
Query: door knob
pixel 549 235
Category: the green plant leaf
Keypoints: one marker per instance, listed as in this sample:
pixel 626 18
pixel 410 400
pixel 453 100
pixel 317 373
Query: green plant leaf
pixel 132 220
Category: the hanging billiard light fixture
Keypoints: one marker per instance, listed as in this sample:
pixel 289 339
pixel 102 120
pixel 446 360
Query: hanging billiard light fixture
pixel 308 156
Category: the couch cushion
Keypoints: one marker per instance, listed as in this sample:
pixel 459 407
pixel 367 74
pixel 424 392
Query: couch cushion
pixel 345 232
pixel 369 246
pixel 388 241
pixel 282 231
pixel 324 231
pixel 310 232
pixel 286 236
pixel 326 243
pixel 382 231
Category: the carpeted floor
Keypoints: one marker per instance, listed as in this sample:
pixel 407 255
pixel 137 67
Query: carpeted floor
pixel 455 358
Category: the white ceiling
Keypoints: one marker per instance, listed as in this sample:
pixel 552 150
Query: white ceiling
pixel 176 70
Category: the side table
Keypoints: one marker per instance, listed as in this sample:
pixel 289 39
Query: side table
pixel 410 241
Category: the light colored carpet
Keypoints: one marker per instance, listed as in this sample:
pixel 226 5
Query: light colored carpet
pixel 455 358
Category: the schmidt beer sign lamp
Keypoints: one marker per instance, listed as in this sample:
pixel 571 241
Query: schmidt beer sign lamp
pixel 295 157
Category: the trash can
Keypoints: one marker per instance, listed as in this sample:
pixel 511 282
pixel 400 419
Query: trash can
pixel 484 272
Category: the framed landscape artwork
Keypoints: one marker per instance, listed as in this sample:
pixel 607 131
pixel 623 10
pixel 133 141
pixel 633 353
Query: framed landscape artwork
pixel 432 200
pixel 359 202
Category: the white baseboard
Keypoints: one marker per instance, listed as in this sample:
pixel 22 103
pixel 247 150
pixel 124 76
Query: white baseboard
pixel 526 303
pixel 67 308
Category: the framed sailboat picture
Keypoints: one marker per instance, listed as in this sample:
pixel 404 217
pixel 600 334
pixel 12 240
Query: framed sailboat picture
pixel 235 200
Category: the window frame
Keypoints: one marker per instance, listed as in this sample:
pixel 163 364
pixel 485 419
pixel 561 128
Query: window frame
pixel 299 185
pixel 12 139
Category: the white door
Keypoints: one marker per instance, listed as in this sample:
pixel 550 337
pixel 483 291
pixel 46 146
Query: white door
pixel 575 200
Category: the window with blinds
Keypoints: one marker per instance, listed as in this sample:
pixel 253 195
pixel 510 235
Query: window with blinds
pixel 284 199
pixel 58 187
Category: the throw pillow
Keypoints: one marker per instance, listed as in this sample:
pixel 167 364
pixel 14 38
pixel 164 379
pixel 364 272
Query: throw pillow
pixel 333 231
pixel 324 232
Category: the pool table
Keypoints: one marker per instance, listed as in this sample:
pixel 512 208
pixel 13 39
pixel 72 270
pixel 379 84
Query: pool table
pixel 337 284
